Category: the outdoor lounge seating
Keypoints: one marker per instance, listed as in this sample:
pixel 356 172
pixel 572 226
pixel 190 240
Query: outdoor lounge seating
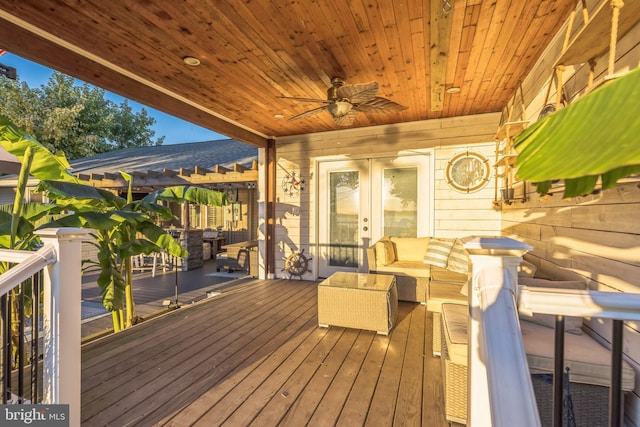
pixel 589 363
pixel 415 261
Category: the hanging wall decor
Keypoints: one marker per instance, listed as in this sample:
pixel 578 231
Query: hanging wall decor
pixel 293 184
pixel 467 172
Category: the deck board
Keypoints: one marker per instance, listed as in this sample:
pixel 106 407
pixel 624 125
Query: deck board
pixel 257 357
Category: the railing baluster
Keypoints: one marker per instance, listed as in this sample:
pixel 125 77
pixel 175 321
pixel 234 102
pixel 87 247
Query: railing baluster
pixel 20 338
pixel 8 354
pixel 558 372
pixel 615 390
pixel 5 357
pixel 35 336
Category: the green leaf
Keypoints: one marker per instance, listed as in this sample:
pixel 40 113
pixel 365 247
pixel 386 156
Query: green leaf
pixel 25 229
pixel 45 165
pixel 592 137
pixel 79 195
pixel 180 193
pixel 137 247
pixel 98 220
pixel 33 211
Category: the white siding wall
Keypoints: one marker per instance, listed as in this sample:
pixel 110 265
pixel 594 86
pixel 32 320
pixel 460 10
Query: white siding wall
pixel 597 237
pixel 455 213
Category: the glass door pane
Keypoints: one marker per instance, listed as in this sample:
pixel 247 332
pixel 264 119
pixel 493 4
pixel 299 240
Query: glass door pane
pixel 400 202
pixel 344 205
pixel 401 195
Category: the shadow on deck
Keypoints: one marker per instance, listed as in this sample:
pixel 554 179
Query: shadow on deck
pixel 254 355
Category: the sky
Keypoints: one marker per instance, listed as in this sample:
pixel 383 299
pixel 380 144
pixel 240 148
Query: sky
pixel 173 129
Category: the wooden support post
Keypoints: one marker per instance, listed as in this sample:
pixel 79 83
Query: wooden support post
pixel 270 202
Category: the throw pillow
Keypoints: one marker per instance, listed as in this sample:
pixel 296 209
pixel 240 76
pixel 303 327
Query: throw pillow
pixel 385 254
pixel 572 324
pixel 438 252
pixel 458 259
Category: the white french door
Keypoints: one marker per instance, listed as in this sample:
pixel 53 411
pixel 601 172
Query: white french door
pixel 362 200
pixel 343 215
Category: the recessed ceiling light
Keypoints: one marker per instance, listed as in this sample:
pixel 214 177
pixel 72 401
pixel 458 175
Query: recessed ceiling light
pixel 278 116
pixel 453 89
pixel 191 60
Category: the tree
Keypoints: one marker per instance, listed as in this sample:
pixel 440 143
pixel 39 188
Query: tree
pixel 75 119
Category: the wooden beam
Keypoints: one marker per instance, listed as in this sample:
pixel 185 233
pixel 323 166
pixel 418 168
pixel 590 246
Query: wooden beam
pixel 440 34
pixel 270 208
pixel 169 172
pixel 201 171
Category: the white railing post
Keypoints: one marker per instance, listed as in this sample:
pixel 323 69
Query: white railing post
pixel 62 319
pixel 492 299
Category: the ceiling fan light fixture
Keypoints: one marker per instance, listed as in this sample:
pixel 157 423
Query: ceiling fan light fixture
pixel 339 108
pixel 191 61
pixel 453 89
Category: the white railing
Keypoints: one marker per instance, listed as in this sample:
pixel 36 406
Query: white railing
pixel 500 389
pixel 60 260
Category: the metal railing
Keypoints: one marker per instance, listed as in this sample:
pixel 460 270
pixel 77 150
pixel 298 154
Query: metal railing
pixel 500 387
pixel 40 352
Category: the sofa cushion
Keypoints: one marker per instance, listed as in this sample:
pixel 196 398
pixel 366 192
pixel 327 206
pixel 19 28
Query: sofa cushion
pixel 437 252
pixel 458 258
pixel 588 361
pixel 571 324
pixel 405 268
pixel 410 248
pixel 446 276
pixel 439 293
pixel 454 323
pixel 385 254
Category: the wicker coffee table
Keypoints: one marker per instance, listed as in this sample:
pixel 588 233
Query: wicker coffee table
pixel 358 300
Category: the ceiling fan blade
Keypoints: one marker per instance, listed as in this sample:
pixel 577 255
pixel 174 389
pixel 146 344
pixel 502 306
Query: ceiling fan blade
pixel 379 105
pixel 308 113
pixel 346 119
pixel 358 93
pixel 293 98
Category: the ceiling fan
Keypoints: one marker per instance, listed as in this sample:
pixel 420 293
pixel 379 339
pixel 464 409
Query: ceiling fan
pixel 345 101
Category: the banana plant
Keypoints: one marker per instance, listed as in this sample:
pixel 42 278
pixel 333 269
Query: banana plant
pixel 122 227
pixel 17 220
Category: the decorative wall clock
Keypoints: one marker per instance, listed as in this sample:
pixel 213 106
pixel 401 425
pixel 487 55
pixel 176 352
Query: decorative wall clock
pixel 467 172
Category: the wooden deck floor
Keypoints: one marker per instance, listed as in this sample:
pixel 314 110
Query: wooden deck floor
pixel 256 357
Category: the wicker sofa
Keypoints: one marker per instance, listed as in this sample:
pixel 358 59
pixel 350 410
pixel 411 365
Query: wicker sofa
pixel 416 262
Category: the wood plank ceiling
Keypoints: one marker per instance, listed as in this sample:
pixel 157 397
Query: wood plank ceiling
pixel 252 52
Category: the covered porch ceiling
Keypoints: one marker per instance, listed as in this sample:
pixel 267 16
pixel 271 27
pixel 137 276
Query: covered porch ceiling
pixel 252 53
